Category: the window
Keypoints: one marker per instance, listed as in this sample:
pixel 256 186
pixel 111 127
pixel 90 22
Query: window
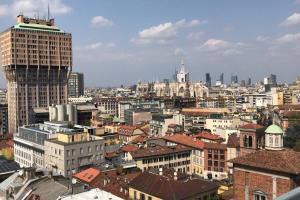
pixel 259 195
pixel 142 196
pixel 149 198
pixel 134 195
pixel 81 150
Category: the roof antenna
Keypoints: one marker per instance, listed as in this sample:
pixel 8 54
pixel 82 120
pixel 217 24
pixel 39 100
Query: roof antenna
pixel 48 12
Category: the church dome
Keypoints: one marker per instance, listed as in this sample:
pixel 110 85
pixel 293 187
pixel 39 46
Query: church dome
pixel 274 129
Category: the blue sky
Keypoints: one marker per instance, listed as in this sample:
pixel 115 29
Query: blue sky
pixel 124 41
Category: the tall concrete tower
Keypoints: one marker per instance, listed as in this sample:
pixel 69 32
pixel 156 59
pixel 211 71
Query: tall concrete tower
pixel 36 57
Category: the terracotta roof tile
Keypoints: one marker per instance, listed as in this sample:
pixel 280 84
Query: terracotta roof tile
pixel 129 148
pixel 185 140
pixel 167 188
pixel 286 160
pixel 233 141
pixel 87 175
pixel 251 126
pixel 208 136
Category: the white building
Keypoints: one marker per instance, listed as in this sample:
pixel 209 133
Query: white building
pixel 95 193
pixel 181 86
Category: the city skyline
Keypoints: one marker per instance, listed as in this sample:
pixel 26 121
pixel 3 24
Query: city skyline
pixel 131 41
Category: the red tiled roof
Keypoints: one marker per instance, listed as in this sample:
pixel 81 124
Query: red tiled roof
pixel 159 150
pixel 185 140
pixel 129 148
pixel 127 130
pixel 251 126
pixel 286 160
pixel 166 188
pixel 87 175
pixel 139 139
pixel 208 136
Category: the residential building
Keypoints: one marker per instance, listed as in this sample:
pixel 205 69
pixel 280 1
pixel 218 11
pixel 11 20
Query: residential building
pixel 137 116
pixel 129 133
pixel 29 147
pixel 73 151
pixel 156 156
pixel 159 124
pixel 174 186
pixel 76 85
pixel 108 105
pixel 36 57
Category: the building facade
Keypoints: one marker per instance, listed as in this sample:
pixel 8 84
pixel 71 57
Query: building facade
pixel 36 57
pixel 76 84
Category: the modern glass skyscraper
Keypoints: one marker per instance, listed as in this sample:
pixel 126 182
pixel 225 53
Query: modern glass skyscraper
pixel 36 57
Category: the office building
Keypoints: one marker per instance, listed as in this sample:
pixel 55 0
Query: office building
pixel 234 79
pixel 207 80
pixel 76 84
pixel 36 57
pixel 3 119
pixel 222 78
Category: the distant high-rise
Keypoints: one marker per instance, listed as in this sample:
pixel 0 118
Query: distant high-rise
pixel 76 84
pixel 208 79
pixel 222 78
pixel 234 79
pixel 243 83
pixel 249 82
pixel 36 57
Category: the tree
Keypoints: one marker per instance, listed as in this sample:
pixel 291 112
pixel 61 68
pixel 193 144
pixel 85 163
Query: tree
pixel 291 137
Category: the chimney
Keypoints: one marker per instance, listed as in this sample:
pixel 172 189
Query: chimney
pixel 175 176
pixel 160 171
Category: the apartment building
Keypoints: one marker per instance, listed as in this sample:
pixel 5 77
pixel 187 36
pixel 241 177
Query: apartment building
pixel 29 142
pixel 156 156
pixel 36 57
pixel 72 151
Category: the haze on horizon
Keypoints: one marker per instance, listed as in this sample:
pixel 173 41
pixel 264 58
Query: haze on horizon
pixel 123 42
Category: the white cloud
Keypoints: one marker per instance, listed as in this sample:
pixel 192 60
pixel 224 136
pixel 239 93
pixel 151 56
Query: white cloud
pixel 101 21
pixel 214 45
pixel 96 45
pixel 261 38
pixel 232 52
pixel 31 7
pixel 288 38
pixel 163 33
pixel 292 20
pixel 195 35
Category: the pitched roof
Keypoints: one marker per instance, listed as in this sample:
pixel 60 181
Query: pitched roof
pixel 286 160
pixel 167 188
pixel 251 126
pixel 87 175
pixel 208 136
pixel 127 130
pixel 213 145
pixel 129 148
pixel 185 140
pixel 159 150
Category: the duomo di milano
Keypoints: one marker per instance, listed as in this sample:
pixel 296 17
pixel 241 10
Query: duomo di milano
pixel 180 86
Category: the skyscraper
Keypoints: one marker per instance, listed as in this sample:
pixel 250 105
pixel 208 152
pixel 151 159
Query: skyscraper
pixel 36 58
pixel 222 78
pixel 234 79
pixel 76 84
pixel 208 79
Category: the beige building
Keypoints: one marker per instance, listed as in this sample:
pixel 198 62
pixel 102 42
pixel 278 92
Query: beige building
pixel 177 157
pixel 72 151
pixel 36 57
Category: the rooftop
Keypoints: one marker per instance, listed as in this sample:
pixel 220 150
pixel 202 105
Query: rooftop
pixel 286 161
pixel 159 150
pixel 185 140
pixel 167 188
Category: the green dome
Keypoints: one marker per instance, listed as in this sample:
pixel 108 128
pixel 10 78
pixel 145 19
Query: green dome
pixel 274 129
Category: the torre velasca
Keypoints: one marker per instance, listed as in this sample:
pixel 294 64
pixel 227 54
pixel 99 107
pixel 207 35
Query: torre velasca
pixel 36 58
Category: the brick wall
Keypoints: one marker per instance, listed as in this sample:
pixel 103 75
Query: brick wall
pixel 256 181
